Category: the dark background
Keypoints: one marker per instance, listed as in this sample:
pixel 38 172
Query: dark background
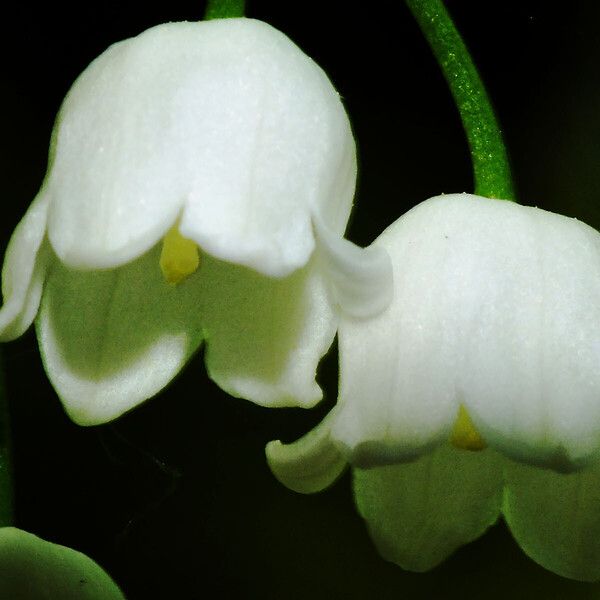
pixel 174 499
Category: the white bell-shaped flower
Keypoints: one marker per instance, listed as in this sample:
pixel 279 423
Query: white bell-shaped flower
pixel 491 343
pixel 222 153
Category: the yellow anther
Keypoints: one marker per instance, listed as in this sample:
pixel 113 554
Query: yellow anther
pixel 179 257
pixel 464 435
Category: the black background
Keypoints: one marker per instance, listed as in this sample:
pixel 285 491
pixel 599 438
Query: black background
pixel 174 499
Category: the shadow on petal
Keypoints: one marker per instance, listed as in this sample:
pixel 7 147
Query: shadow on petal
pixel 111 339
pixel 418 513
pixel 555 518
pixel 265 336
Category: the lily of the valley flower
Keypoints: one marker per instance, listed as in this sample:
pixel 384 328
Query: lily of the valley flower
pixel 194 171
pixel 492 344
pixel 34 568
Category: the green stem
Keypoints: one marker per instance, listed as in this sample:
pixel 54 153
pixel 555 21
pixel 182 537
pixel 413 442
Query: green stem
pixel 224 9
pixel 6 498
pixel 490 160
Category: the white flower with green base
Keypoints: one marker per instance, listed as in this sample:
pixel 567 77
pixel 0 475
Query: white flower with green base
pixel 200 180
pixel 201 176
pixel 476 391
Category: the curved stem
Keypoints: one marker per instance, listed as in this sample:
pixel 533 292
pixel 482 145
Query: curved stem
pixel 490 160
pixel 224 9
pixel 6 497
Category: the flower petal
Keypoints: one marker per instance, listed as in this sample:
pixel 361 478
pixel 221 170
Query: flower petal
pixel 33 568
pixel 360 279
pixel 496 307
pixel 555 518
pixel 225 120
pixel 23 271
pixel 530 376
pixel 309 464
pixel 264 336
pixel 397 394
pixel 418 513
pixel 283 150
pixel 111 339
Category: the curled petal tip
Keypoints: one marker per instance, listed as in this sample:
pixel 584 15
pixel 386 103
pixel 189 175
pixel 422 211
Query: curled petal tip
pixel 308 465
pixel 24 271
pixel 361 279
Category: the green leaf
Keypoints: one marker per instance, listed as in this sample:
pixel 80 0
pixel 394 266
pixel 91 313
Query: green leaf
pixel 33 568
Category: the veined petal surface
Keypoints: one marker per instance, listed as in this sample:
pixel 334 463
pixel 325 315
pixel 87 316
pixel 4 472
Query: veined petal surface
pixel 555 518
pixel 397 370
pixel 497 307
pixel 32 568
pixel 264 336
pixel 420 512
pixel 225 123
pixel 111 339
pixel 530 378
pixel 23 271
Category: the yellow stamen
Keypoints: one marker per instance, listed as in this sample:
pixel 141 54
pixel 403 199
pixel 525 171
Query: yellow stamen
pixel 179 257
pixel 464 435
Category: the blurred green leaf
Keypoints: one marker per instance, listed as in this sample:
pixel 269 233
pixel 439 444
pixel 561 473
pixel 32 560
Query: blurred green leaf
pixel 32 568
